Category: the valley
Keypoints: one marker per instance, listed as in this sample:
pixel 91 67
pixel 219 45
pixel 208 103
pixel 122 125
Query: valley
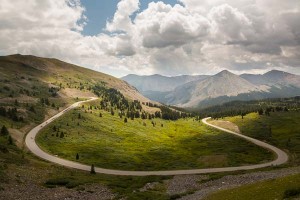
pixel 123 130
pixel 149 100
pixel 158 145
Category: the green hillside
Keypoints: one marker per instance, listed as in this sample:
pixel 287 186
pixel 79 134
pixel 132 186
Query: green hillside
pixel 19 69
pixel 120 130
pixel 34 88
pixel 105 140
pixel 281 188
pixel 278 128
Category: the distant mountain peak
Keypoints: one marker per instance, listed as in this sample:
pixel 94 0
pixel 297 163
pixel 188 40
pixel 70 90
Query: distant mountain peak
pixel 225 73
pixel 156 75
pixel 276 72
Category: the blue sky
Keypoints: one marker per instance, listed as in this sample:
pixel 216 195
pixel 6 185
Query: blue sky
pixel 99 11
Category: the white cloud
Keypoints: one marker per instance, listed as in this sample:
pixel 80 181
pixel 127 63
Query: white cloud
pixel 169 26
pixel 229 23
pixel 121 20
pixel 187 38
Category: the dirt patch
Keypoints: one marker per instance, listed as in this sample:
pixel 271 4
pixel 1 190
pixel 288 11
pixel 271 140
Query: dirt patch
pixel 52 112
pixel 27 128
pixel 74 93
pixel 17 136
pixel 214 160
pixel 151 110
pixel 226 124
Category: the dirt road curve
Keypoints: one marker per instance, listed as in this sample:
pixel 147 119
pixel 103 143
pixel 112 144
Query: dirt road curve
pixel 282 157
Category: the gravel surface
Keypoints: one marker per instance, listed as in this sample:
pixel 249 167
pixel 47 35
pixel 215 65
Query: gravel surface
pixel 149 186
pixel 29 191
pixel 26 183
pixel 232 181
pixel 184 183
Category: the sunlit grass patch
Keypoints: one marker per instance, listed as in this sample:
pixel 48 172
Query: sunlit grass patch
pixel 145 144
pixel 280 128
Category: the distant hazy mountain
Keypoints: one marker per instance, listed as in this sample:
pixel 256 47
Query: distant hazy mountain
pixel 224 83
pixel 203 91
pixel 159 83
pixel 273 78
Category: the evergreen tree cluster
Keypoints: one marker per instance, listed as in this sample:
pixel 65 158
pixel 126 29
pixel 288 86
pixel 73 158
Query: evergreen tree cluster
pixel 4 131
pixel 45 101
pixel 262 107
pixel 11 113
pixel 57 132
pixel 113 100
pixel 53 91
pixel 149 104
pixel 169 114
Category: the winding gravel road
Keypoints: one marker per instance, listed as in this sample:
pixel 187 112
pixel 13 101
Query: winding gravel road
pixel 282 157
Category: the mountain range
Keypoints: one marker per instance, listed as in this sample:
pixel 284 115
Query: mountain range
pixel 203 91
pixel 183 91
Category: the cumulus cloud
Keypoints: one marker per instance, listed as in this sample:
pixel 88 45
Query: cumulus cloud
pixel 192 37
pixel 169 26
pixel 38 25
pixel 122 20
pixel 229 23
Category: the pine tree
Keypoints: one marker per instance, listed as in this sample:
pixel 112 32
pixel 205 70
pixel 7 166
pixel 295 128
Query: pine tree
pixel 270 132
pixel 77 156
pixel 10 140
pixel 93 169
pixel 4 130
pixel 125 120
pixel 260 111
pixel 47 102
pixel 16 103
pixel 243 114
pixel 2 111
pixel 31 109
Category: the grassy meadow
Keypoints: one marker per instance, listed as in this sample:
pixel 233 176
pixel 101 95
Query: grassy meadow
pixel 281 129
pixel 17 166
pixel 139 144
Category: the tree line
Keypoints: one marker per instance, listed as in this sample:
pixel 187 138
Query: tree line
pixel 11 113
pixel 262 107
pixel 113 100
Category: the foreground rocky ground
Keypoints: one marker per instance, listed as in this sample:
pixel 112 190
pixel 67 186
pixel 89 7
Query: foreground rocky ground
pixel 23 185
pixel 29 191
pixel 26 186
pixel 196 190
